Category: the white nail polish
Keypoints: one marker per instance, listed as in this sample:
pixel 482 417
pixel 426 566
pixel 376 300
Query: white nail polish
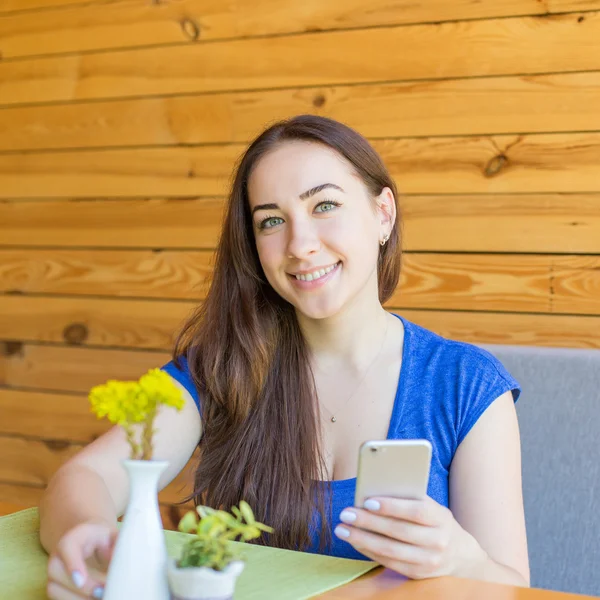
pixel 98 592
pixel 78 579
pixel 347 516
pixel 341 532
pixel 372 505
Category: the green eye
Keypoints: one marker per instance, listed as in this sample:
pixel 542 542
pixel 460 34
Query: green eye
pixel 270 222
pixel 326 206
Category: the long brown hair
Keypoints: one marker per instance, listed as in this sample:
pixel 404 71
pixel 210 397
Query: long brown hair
pixel 250 362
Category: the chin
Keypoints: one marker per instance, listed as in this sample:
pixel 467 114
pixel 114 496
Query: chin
pixel 318 310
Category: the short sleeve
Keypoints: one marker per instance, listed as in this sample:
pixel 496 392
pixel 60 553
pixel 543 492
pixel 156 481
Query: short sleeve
pixel 183 376
pixel 483 378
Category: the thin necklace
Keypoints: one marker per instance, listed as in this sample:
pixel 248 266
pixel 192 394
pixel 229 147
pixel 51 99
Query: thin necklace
pixel 333 417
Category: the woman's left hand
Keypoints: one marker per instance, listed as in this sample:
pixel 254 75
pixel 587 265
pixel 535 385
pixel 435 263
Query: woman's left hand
pixel 417 538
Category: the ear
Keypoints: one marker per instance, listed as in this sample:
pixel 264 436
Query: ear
pixel 386 210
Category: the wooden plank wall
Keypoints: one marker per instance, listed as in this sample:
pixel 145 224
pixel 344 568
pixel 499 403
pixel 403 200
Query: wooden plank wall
pixel 119 124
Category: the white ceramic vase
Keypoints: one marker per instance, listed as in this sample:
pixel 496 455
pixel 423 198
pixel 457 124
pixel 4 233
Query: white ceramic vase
pixel 138 568
pixel 202 583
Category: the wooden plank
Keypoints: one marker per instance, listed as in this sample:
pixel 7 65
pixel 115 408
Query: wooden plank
pixel 7 508
pixel 510 283
pixel 183 222
pixel 551 163
pixel 71 369
pixel 182 172
pixel 575 284
pixel 558 223
pixel 481 282
pixel 506 328
pixel 138 23
pixel 556 6
pixel 498 105
pixel 125 273
pixel 23 496
pixel 8 6
pixel 133 24
pixel 338 15
pixel 503 223
pixel 521 45
pixel 32 462
pixel 49 416
pixel 484 282
pixel 540 163
pixel 92 321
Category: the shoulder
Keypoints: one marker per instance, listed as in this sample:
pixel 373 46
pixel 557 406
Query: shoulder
pixel 179 370
pixel 456 361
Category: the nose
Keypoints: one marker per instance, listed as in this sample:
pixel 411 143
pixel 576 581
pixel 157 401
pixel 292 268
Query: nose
pixel 303 239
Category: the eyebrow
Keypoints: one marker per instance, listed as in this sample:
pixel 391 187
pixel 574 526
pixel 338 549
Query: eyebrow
pixel 303 196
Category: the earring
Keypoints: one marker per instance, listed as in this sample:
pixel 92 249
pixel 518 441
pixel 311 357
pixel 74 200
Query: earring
pixel 384 240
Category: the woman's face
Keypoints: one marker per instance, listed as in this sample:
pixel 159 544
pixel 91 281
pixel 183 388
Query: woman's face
pixel 317 230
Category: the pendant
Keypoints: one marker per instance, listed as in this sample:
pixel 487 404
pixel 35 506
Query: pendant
pixel 333 419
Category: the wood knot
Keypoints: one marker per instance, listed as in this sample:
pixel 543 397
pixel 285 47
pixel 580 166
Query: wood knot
pixel 75 334
pixel 319 100
pixel 581 19
pixel 57 445
pixel 495 165
pixel 190 28
pixel 11 348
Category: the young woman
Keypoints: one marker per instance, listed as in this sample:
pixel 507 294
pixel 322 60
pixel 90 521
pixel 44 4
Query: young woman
pixel 292 362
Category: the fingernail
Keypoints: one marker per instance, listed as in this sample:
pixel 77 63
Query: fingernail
pixel 372 505
pixel 341 532
pixel 98 592
pixel 347 516
pixel 78 579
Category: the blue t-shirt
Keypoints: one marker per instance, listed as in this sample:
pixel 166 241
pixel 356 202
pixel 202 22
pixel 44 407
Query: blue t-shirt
pixel 443 389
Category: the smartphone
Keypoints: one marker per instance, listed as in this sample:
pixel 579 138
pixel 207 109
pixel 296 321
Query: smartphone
pixel 395 468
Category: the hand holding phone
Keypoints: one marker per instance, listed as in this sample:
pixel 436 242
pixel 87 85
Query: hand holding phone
pixel 393 468
pixel 406 530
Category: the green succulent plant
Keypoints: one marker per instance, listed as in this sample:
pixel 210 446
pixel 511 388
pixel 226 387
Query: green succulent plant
pixel 213 531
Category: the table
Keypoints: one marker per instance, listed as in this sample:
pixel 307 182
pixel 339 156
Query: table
pixel 382 584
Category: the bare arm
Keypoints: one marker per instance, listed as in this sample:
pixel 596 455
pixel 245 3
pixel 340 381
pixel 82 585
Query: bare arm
pixel 486 492
pixel 92 486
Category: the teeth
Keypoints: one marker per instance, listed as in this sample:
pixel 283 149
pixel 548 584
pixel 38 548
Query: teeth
pixel 316 274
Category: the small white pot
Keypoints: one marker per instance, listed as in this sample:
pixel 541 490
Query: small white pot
pixel 202 583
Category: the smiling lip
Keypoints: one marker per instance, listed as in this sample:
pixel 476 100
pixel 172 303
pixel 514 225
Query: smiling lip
pixel 303 284
pixel 314 270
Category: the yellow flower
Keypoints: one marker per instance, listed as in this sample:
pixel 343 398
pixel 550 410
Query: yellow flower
pixel 126 403
pixel 118 401
pixel 159 388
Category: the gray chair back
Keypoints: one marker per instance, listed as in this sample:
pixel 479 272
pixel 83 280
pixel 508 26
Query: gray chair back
pixel 559 420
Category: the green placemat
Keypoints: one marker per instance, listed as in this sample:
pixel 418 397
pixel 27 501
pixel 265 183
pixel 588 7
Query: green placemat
pixel 270 573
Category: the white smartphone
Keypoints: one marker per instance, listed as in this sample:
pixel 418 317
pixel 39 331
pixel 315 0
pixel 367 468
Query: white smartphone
pixel 394 468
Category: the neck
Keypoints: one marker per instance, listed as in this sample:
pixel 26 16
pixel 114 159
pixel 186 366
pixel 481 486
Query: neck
pixel 351 337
